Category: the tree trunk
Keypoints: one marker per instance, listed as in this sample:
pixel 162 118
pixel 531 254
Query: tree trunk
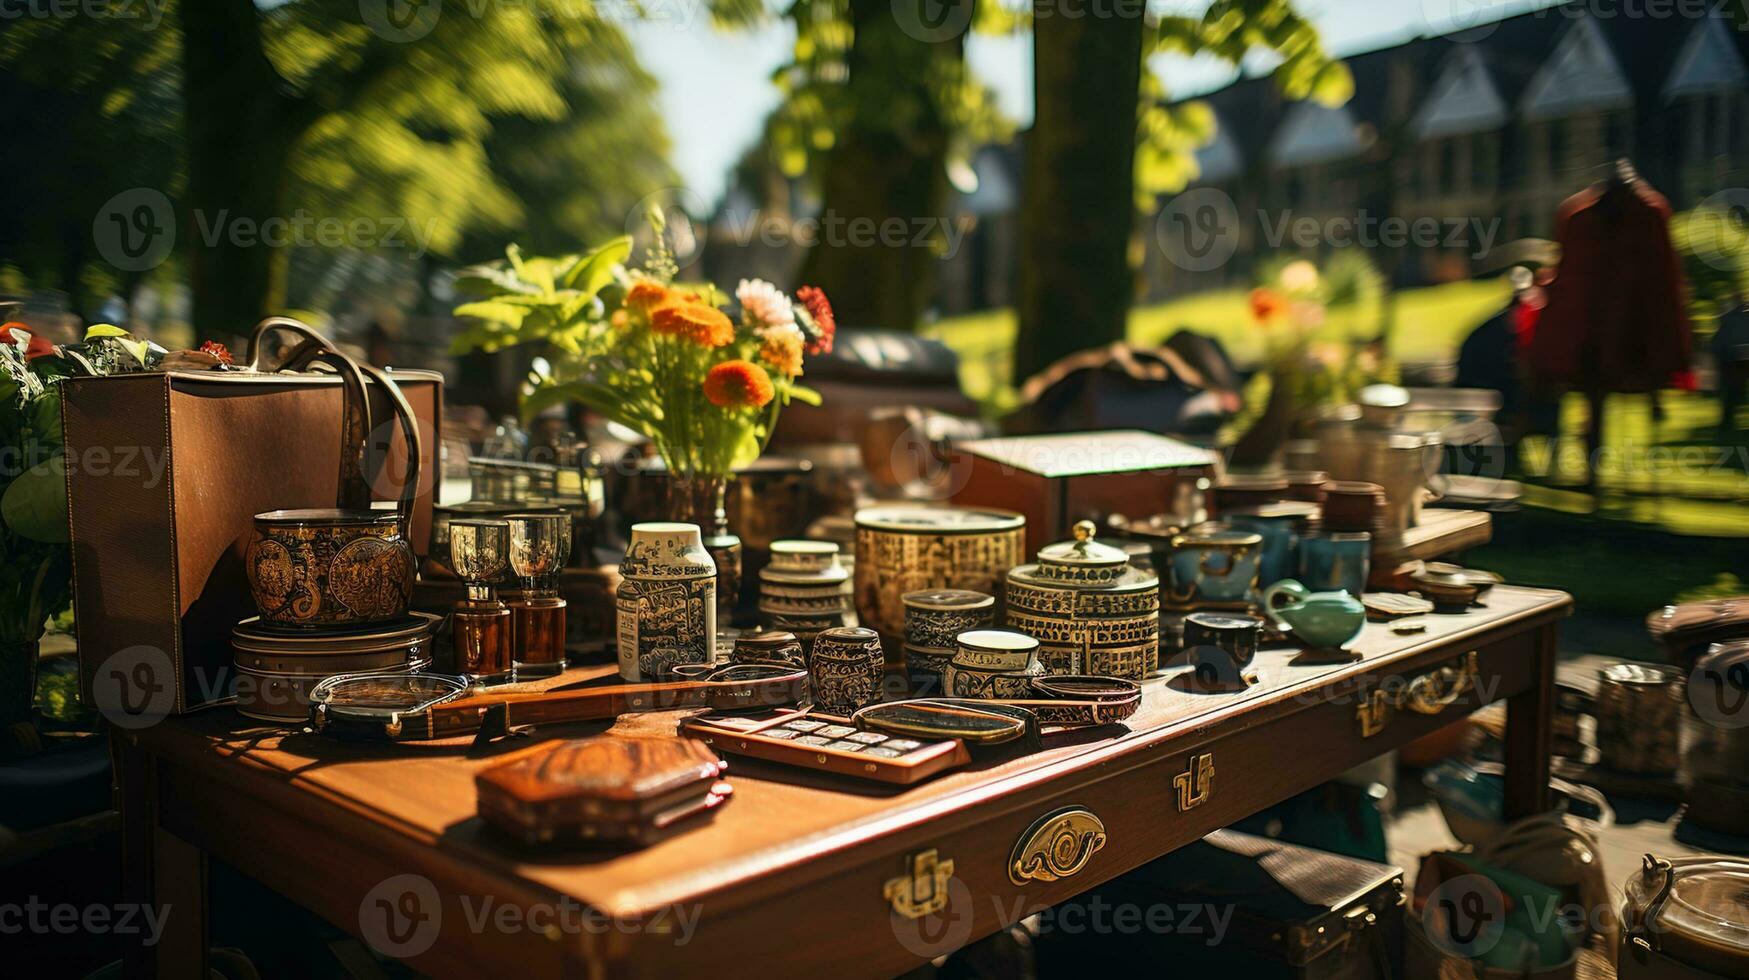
pixel 884 183
pixel 240 130
pixel 1078 199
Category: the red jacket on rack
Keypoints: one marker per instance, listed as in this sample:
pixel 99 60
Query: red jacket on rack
pixel 1616 318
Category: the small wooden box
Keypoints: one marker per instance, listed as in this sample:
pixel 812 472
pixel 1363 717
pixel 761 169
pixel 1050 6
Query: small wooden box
pixel 1056 480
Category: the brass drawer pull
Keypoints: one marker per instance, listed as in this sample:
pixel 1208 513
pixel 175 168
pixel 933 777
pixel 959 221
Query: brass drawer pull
pixel 1428 694
pixel 1057 845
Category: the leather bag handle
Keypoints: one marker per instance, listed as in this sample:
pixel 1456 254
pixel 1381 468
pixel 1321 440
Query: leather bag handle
pixel 415 446
pixel 353 492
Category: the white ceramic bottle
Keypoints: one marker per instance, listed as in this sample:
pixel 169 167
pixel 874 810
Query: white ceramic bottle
pixel 667 601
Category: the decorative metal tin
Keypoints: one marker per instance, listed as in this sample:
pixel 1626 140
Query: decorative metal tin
pixel 1092 612
pixel 907 549
pixel 1213 564
pixel 934 618
pixel 927 668
pixel 845 669
pixel 325 567
pixel 277 667
pixel 667 601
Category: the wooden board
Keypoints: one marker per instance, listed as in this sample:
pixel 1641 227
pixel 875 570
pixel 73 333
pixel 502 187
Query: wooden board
pixel 794 869
pixel 1440 533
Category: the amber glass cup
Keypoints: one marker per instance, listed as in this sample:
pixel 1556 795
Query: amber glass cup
pixel 479 551
pixel 540 544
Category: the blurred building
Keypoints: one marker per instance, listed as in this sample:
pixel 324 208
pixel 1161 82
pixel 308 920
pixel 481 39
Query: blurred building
pixel 1458 139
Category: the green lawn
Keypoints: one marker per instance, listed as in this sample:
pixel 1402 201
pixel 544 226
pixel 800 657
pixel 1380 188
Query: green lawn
pixel 1429 324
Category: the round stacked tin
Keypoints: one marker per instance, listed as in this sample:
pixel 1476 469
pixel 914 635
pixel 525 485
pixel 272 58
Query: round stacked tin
pixel 1092 612
pixel 277 666
pixel 934 619
pixel 993 664
pixel 804 589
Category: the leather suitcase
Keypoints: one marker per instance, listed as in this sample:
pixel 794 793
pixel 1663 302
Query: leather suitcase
pixel 1290 912
pixel 166 471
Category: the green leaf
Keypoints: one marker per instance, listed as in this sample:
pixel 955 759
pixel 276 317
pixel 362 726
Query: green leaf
pixel 46 416
pixel 595 270
pixel 804 394
pixel 495 310
pixel 35 505
pixel 97 330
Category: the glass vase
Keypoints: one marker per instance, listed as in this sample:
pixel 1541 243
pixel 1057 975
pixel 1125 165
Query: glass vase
pixel 702 499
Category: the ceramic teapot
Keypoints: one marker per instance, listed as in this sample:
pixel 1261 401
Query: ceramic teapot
pixel 1323 620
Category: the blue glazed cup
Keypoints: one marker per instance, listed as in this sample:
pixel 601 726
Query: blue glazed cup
pixel 1215 563
pixel 1337 562
pixel 1279 557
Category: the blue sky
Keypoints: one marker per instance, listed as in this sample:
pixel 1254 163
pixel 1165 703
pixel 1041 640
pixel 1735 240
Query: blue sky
pixel 716 86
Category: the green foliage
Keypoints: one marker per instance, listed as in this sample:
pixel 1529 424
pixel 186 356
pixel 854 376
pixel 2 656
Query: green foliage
pixel 546 300
pixel 1714 246
pixel 1169 136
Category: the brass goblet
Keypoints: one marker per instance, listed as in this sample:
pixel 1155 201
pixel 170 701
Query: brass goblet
pixel 479 551
pixel 540 544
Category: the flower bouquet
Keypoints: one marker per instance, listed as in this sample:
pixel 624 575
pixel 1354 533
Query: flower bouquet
pixel 663 358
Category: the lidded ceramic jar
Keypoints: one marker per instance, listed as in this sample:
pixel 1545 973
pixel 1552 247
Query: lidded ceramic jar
pixel 933 619
pixel 1091 610
pixel 845 669
pixel 667 601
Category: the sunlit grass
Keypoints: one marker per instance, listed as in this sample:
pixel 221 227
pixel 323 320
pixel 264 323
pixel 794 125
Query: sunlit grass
pixel 1427 324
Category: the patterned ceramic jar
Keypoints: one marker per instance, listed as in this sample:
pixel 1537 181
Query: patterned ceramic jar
pixel 845 669
pixel 667 601
pixel 927 669
pixel 993 664
pixel 1091 610
pixel 934 618
pixel 769 647
pixel 904 549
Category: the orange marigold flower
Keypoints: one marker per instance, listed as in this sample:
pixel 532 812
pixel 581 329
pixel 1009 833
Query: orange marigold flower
pixel 783 350
pixel 619 319
pixel 1265 304
pixel 701 324
pixel 645 296
pixel 733 384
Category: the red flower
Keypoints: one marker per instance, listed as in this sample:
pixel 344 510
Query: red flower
pixel 733 384
pixel 39 346
pixel 217 350
pixel 813 298
pixel 6 331
pixel 1265 304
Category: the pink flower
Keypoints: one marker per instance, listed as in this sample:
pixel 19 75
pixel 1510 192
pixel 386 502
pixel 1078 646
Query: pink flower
pixel 764 306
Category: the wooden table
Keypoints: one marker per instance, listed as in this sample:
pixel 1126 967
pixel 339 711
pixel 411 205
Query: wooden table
pixel 799 874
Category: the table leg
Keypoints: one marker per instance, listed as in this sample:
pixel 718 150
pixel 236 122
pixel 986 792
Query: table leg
pixel 1530 718
pixel 161 872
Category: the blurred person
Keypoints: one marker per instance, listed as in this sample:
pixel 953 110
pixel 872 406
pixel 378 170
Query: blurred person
pixel 1496 356
pixel 1730 349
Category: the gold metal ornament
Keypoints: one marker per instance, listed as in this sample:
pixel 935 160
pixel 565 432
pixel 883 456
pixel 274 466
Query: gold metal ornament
pixel 1057 845
pixel 1427 694
pixel 923 891
pixel 1196 784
